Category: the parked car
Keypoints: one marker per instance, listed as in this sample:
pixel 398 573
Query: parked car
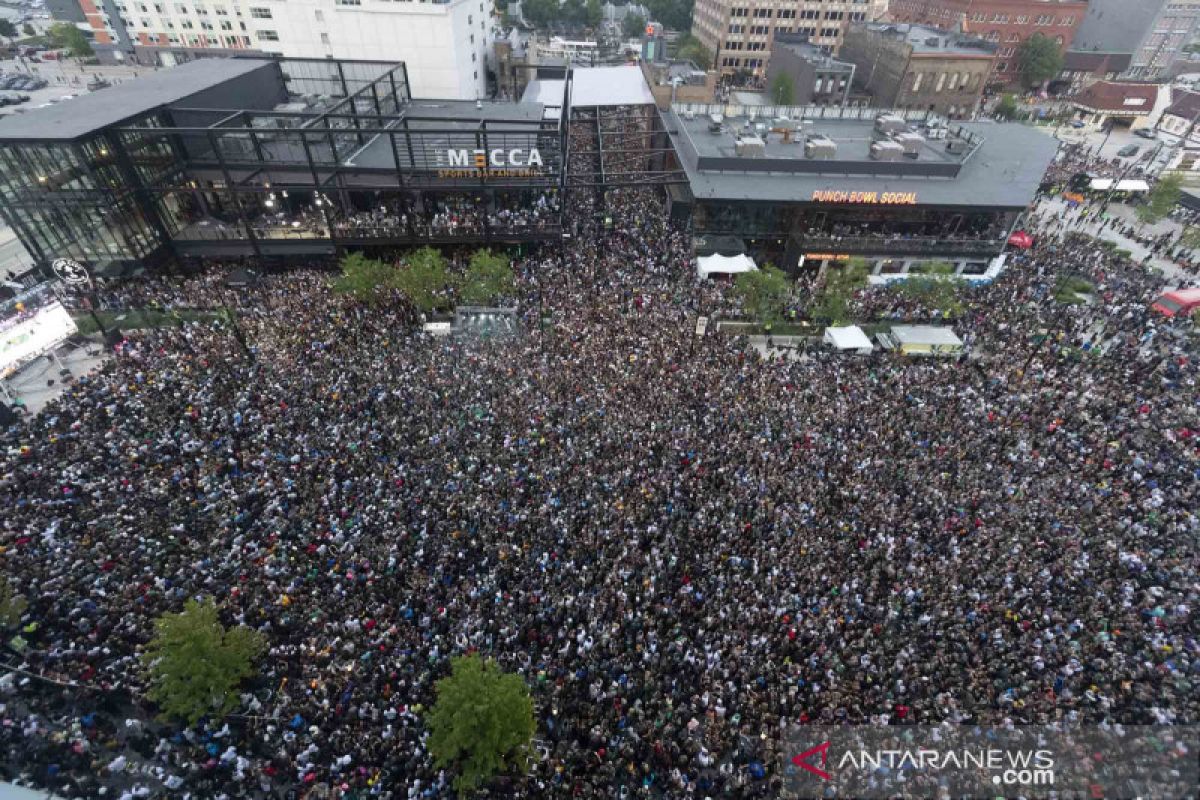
pixel 1146 133
pixel 1076 123
pixel 1128 150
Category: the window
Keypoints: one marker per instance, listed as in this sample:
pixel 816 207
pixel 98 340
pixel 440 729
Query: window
pixel 858 16
pixel 810 14
pixel 941 82
pixel 206 26
pixel 762 13
pixel 1068 21
pixel 1022 19
pixel 319 15
pixel 786 13
pixel 268 36
pixel 953 84
pixel 1002 67
pixel 260 13
pixel 1045 19
pixel 739 12
pixel 187 24
pixel 830 33
pixel 347 2
pixel 324 38
pixel 736 28
pixel 833 15
pixel 916 86
pixel 226 25
pixel 978 17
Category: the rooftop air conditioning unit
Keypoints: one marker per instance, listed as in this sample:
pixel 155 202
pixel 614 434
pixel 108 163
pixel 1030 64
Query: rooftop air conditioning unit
pixel 956 146
pixel 911 142
pixel 886 151
pixel 890 123
pixel 689 115
pixel 936 131
pixel 750 147
pixel 820 148
pixel 715 123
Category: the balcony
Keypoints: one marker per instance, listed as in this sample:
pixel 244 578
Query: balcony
pixel 900 245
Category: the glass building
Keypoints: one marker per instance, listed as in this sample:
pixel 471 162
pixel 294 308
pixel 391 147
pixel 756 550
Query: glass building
pixel 275 158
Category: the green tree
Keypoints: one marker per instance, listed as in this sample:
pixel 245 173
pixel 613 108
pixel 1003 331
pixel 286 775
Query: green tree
pixel 28 30
pixel 424 278
pixel 1161 199
pixel 194 663
pixel 763 292
pixel 539 13
pixel 1191 237
pixel 489 276
pixel 674 14
pixel 935 288
pixel 481 724
pixel 1039 59
pixel 7 29
pixel 1007 108
pixel 594 13
pixel 365 279
pixel 783 91
pixel 572 12
pixel 691 49
pixel 633 26
pixel 66 36
pixel 12 605
pixel 832 304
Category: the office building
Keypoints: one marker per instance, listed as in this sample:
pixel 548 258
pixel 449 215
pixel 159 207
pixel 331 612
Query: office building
pixel 444 44
pixel 918 67
pixel 739 32
pixel 816 78
pixel 1152 33
pixel 816 186
pixel 1005 23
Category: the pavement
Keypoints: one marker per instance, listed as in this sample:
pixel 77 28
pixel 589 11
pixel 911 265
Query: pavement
pixel 40 382
pixel 14 259
pixel 66 78
pixel 1059 209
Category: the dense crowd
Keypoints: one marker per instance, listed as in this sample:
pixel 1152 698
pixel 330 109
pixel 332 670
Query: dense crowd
pixel 682 547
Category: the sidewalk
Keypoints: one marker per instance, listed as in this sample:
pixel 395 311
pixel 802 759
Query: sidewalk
pixel 1057 210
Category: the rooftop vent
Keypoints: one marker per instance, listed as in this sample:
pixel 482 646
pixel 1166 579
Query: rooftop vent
pixel 750 146
pixel 715 121
pixel 820 148
pixel 890 123
pixel 911 142
pixel 956 146
pixel 886 151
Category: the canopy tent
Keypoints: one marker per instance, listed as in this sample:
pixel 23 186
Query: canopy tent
pixel 1101 184
pixel 720 245
pixel 1133 185
pixel 724 265
pixel 850 337
pixel 924 339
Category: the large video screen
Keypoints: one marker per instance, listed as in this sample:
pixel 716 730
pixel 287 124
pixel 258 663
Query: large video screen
pixel 35 323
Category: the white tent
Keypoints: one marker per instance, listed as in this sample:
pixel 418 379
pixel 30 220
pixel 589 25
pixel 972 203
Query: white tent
pixel 1101 184
pixel 1133 185
pixel 724 265
pixel 924 340
pixel 850 337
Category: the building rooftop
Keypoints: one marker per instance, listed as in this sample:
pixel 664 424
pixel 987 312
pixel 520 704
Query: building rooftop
pixel 1088 61
pixel 594 86
pixel 926 40
pixel 1002 170
pixel 1185 105
pixel 1125 99
pixel 94 111
pixel 817 55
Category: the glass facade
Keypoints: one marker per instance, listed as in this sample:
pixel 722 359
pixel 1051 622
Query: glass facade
pixel 339 155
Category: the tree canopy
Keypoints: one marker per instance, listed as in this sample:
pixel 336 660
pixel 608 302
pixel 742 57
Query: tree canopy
pixel 12 605
pixel 783 90
pixel 424 279
pixel 365 279
pixel 935 287
pixel 1006 108
pixel 489 277
pixel 1039 59
pixel 763 292
pixel 633 25
pixel 481 724
pixel 195 664
pixel 7 29
pixel 691 49
pixel 1161 199
pixel 832 303
pixel 66 36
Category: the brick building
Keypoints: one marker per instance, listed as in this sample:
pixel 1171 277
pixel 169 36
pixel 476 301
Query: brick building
pixel 1005 23
pixel 919 68
pixel 817 78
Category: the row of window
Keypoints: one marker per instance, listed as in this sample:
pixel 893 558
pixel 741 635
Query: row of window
pixel 790 13
pixel 184 24
pixel 750 63
pixel 946 81
pixel 1021 19
pixel 994 36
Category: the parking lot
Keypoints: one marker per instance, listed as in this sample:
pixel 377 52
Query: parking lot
pixel 63 79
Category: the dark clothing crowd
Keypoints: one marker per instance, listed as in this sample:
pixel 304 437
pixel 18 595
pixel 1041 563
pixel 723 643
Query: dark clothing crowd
pixel 684 548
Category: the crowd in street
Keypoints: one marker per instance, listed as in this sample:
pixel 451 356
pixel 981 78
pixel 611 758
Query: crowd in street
pixel 683 548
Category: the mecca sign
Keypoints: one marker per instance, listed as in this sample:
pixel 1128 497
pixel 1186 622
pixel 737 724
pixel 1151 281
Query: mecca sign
pixel 70 271
pixel 497 162
pixel 866 198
